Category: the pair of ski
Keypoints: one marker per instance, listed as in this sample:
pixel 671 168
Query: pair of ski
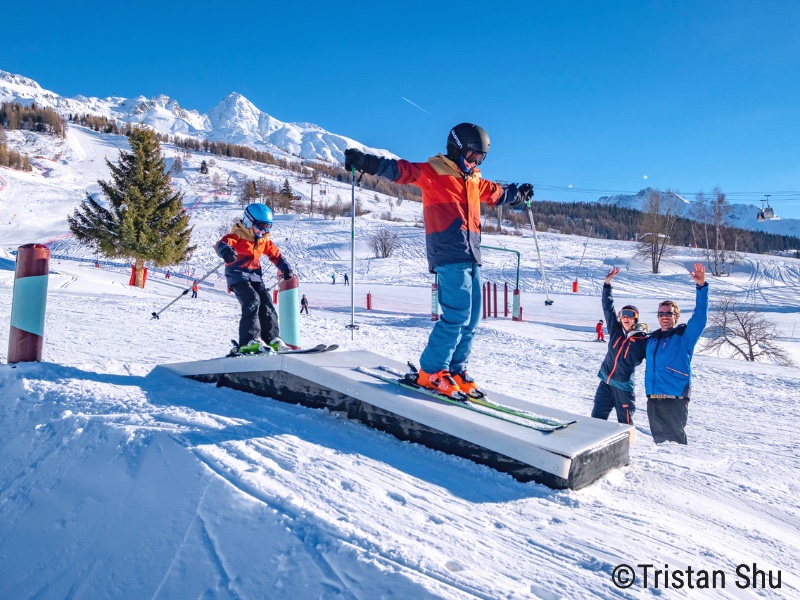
pixel 482 405
pixel 318 349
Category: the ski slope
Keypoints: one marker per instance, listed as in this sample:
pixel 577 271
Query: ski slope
pixel 118 482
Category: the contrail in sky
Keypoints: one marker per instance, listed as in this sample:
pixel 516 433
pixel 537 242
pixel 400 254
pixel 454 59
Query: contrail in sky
pixel 417 105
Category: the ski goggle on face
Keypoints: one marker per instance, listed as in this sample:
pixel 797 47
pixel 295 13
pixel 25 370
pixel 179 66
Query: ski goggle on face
pixel 473 156
pixel 627 312
pixel 262 226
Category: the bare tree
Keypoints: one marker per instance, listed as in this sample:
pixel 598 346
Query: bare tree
pixel 711 219
pixel 217 183
pixel 748 333
pixel 384 242
pixel 661 213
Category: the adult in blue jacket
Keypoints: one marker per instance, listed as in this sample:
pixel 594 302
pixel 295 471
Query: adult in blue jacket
pixel 668 376
pixel 626 349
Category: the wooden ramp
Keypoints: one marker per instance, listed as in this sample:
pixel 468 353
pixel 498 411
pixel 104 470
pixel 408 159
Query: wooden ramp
pixel 572 457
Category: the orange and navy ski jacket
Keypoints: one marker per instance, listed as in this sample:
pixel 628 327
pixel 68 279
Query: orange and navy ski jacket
pixel 625 350
pixel 450 204
pixel 249 250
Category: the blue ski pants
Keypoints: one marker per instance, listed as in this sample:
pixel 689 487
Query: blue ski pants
pixel 450 342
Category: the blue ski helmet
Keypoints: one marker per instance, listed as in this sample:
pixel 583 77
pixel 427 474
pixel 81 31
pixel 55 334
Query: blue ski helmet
pixel 259 215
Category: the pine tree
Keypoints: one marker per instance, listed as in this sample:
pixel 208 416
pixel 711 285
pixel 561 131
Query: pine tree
pixel 145 218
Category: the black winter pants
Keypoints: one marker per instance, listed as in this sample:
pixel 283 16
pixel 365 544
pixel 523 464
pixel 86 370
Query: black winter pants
pixel 668 419
pixel 259 319
pixel 607 397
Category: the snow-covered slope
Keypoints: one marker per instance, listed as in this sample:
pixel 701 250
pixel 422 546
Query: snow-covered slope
pixel 234 120
pixel 120 482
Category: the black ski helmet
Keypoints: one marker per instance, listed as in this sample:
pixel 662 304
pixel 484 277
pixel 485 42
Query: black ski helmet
pixel 466 136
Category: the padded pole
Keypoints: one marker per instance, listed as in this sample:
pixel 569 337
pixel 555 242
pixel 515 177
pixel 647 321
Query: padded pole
pixel 289 311
pixel 26 338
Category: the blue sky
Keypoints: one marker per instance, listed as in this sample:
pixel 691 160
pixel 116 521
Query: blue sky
pixel 603 97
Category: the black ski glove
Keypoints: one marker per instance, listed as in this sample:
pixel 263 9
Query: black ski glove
pixel 524 194
pixel 355 159
pixel 227 253
pixel 284 268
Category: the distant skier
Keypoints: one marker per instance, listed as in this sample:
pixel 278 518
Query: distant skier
pixel 346 279
pixel 194 289
pixel 599 329
pixel 452 190
pixel 626 349
pixel 303 304
pixel 333 279
pixel 668 378
pixel 167 275
pixel 241 249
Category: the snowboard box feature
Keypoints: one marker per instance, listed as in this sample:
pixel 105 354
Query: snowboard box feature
pixel 568 458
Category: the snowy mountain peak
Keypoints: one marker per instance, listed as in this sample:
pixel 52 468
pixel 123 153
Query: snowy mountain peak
pixel 234 120
pixel 18 80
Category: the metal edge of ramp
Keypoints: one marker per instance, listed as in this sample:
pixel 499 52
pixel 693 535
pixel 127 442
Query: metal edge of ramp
pixel 572 458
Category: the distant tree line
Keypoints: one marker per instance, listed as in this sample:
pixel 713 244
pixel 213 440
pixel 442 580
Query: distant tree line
pixel 98 123
pixel 612 222
pixel 11 158
pixel 14 115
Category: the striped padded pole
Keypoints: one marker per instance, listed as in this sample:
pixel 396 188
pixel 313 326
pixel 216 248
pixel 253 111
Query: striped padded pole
pixel 26 338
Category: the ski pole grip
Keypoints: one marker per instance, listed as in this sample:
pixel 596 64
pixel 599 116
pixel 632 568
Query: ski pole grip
pixel 26 338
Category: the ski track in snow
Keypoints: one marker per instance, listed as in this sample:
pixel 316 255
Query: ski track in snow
pixel 117 481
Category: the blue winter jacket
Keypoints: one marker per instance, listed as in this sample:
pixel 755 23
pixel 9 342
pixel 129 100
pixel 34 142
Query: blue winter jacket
pixel 669 353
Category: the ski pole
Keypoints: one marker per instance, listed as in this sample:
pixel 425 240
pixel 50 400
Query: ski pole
pixel 186 291
pixel 547 302
pixel 352 327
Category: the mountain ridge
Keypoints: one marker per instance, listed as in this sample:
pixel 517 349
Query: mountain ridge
pixel 235 119
pixel 742 215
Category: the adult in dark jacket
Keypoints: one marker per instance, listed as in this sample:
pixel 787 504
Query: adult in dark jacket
pixel 668 377
pixel 452 192
pixel 627 344
pixel 242 249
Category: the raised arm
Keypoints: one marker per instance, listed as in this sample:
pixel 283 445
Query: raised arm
pixel 608 301
pixel 695 325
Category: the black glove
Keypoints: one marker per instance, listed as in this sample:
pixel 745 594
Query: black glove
pixel 524 194
pixel 284 268
pixel 355 159
pixel 227 253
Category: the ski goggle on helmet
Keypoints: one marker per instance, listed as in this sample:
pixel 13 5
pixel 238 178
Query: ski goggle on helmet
pixel 257 217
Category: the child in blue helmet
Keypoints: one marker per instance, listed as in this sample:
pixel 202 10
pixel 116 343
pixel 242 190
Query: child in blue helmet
pixel 242 249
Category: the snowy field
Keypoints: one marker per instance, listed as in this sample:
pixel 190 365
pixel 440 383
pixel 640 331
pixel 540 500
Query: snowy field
pixel 120 482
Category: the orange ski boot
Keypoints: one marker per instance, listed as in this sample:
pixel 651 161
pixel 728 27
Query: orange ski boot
pixel 467 384
pixel 441 382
